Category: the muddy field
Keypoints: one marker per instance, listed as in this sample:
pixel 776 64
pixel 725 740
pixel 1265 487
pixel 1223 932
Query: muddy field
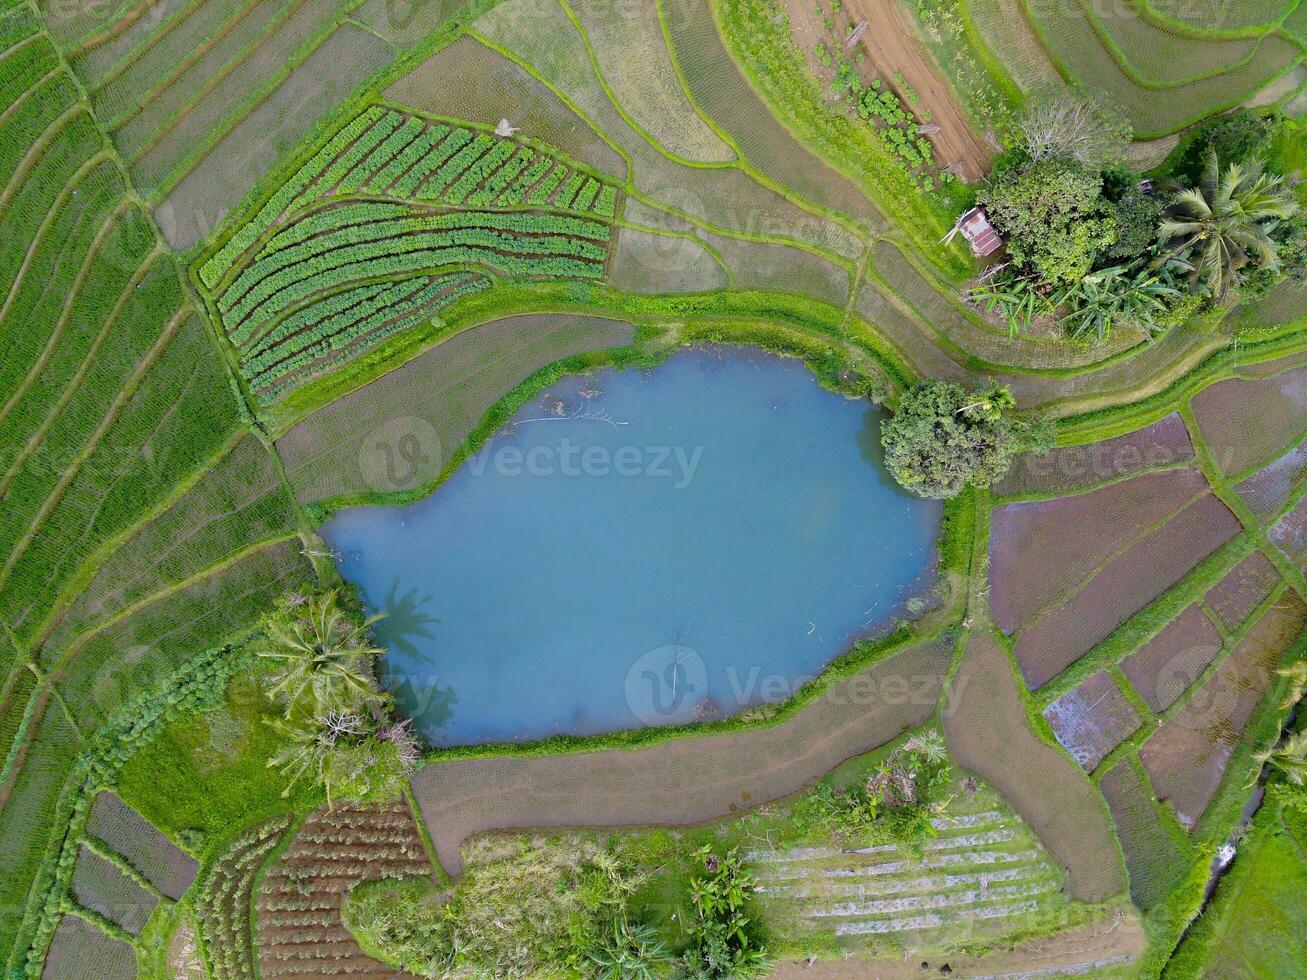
pixel 687 780
pixel 1091 720
pixel 1244 588
pixel 1164 668
pixel 1187 757
pixel 1068 469
pixel 989 734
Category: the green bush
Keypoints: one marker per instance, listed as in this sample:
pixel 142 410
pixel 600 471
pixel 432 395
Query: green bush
pixel 524 907
pixel 724 941
pixel 943 438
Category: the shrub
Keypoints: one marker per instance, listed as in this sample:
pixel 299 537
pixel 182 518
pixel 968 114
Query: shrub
pixel 943 438
pixel 722 942
pixel 1070 126
pixel 531 907
pixel 1237 137
pixel 1136 215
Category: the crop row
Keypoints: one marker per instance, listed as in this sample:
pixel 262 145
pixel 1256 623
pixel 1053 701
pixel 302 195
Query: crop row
pixel 376 336
pixel 516 244
pixel 385 153
pixel 222 907
pixel 216 267
pixel 396 307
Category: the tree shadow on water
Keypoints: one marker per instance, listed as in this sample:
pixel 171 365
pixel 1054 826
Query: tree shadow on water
pixel 414 686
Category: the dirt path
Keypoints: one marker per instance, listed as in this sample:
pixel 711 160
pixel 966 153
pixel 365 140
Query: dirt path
pixel 990 735
pixel 684 780
pixel 1100 945
pixel 893 46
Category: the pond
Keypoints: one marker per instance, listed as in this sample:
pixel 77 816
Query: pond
pixel 641 547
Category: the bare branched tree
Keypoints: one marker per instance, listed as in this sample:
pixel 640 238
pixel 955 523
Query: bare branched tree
pixel 1072 126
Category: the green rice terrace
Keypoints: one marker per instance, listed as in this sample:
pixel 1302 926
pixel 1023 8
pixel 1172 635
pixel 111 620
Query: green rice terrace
pixel 653 488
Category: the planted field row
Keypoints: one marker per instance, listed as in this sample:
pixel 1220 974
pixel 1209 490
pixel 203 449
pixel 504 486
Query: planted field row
pixel 299 925
pixel 1250 423
pixel 103 888
pixel 225 900
pixel 383 313
pixel 975 870
pixel 1157 859
pixel 80 949
pixel 385 153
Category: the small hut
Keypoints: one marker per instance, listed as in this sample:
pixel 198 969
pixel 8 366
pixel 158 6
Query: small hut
pixel 977 230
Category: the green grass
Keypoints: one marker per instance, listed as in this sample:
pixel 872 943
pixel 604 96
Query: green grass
pixel 1255 924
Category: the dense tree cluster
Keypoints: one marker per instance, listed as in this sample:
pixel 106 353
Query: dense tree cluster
pixel 1095 248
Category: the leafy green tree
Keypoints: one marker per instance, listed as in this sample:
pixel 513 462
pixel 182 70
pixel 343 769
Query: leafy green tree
pixel 1237 137
pixel 943 438
pixel 1137 215
pixel 1054 217
pixel 1114 297
pixel 1221 228
pixel 1289 758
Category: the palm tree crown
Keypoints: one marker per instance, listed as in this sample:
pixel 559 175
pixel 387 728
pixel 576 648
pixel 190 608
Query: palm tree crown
pixel 1222 226
pixel 325 657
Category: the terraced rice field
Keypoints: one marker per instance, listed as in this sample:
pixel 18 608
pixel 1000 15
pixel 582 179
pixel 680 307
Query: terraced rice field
pixel 1157 854
pixel 1249 423
pixel 1093 719
pixel 79 946
pixel 117 827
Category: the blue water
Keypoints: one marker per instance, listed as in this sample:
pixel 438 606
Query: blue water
pixel 677 545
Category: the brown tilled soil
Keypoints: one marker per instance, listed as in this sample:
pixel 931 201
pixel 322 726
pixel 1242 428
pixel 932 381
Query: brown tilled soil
pixel 1268 490
pixel 1068 629
pixel 1186 758
pixel 1244 588
pixel 892 46
pixel 1250 423
pixel 990 734
pixel 300 930
pixel 683 780
pixel 1113 941
pixel 1164 667
pixel 1071 468
pixel 1156 860
pixel 1041 550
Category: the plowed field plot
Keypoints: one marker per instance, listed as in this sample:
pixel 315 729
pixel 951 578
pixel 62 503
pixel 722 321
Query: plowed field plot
pixel 1250 423
pixel 1268 490
pixel 682 781
pixel 300 932
pixel 1157 858
pixel 430 406
pixel 1187 757
pixel 1069 629
pixel 80 950
pixel 1289 534
pixel 1164 668
pixel 1068 469
pixel 967 885
pixel 1039 551
pixel 989 734
pixel 1244 588
pixel 1093 719
pixel 894 51
pixel 102 887
pixel 159 860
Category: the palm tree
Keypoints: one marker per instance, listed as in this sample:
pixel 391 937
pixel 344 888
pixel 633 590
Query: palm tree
pixel 1297 674
pixel 325 657
pixel 1220 227
pixel 1290 758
